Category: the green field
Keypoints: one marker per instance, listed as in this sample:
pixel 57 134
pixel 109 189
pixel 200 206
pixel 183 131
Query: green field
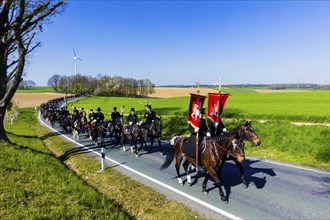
pixel 36 89
pixel 307 106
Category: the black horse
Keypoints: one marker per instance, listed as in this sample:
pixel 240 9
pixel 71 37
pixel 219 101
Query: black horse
pixel 66 122
pixel 153 130
pixel 115 128
pixel 52 118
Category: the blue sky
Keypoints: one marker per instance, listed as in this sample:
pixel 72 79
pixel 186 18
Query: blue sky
pixel 177 42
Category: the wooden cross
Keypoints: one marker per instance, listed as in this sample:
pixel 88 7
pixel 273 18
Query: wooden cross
pixel 219 84
pixel 198 83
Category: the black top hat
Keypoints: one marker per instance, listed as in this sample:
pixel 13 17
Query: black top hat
pixel 132 110
pixel 91 110
pixel 114 108
pixel 98 109
pixel 203 111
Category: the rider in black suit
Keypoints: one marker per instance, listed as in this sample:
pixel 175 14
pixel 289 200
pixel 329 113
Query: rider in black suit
pixel 202 130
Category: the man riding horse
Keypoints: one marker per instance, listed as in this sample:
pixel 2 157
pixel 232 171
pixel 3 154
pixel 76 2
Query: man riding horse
pixel 99 116
pixel 132 119
pixel 115 116
pixel 202 130
pixel 150 116
pixel 91 115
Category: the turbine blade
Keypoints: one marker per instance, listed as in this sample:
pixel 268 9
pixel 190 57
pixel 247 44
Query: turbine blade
pixel 74 52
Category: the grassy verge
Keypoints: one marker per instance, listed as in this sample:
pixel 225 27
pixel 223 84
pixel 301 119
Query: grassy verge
pixel 36 184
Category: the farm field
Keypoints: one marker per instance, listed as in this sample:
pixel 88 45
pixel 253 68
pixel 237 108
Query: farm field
pixel 307 106
pixel 32 99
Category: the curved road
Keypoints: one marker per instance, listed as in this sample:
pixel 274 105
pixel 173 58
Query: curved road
pixel 276 190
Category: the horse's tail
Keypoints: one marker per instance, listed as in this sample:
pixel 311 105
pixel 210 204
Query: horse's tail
pixel 170 154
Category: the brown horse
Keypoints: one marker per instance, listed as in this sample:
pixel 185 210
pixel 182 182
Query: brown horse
pixel 212 154
pixel 84 124
pixel 225 141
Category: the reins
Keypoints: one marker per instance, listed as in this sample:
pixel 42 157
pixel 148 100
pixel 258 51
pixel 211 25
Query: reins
pixel 226 150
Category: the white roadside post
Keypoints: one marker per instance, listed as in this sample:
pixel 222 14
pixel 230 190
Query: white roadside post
pixel 102 159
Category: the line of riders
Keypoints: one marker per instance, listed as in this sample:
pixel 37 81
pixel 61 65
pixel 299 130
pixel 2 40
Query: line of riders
pixel 93 123
pixel 81 122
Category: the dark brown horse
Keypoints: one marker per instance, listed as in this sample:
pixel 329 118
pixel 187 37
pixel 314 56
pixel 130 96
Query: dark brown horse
pixel 135 137
pixel 212 154
pixel 153 130
pixel 225 140
pixel 98 131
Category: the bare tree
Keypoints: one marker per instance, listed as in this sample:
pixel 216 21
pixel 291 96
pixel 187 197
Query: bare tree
pixel 53 81
pixel 20 21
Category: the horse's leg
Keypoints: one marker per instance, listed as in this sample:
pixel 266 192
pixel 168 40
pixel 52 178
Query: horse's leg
pixel 177 167
pixel 240 167
pixel 151 143
pixel 212 173
pixel 119 137
pixel 160 146
pixel 137 150
pixel 185 167
pixel 123 140
pixel 207 176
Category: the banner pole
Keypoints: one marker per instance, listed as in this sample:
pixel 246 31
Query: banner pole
pixel 196 168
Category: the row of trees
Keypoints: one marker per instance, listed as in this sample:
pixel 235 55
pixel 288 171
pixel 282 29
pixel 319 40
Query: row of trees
pixel 101 85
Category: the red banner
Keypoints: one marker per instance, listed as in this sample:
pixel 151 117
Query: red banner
pixel 216 104
pixel 195 107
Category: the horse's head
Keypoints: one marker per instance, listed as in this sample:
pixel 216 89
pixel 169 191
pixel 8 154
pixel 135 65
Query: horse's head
pixel 237 148
pixel 247 132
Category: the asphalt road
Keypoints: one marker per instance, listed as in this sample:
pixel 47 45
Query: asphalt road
pixel 276 190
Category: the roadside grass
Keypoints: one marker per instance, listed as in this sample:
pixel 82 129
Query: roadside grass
pixel 37 182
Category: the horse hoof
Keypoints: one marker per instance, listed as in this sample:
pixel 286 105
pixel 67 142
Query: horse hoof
pixel 161 153
pixel 124 149
pixel 244 185
pixel 205 192
pixel 137 155
pixel 223 199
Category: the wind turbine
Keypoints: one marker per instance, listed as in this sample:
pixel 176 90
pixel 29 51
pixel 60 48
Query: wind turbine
pixel 75 61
